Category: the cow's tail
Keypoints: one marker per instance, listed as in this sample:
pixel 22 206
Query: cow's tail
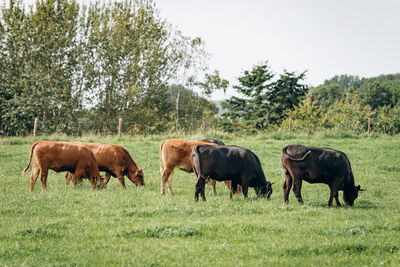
pixel 161 159
pixel 284 152
pixel 196 164
pixel 30 157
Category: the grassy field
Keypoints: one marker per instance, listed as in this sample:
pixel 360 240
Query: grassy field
pixel 64 226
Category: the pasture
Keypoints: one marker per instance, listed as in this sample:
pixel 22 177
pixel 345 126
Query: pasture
pixel 68 226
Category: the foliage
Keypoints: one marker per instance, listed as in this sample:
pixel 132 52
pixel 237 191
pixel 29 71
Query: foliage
pixel 325 95
pixel 39 66
pixel 286 93
pixel 377 94
pixel 350 114
pixel 265 101
pixel 307 117
pixel 387 121
pixel 376 91
pixel 62 61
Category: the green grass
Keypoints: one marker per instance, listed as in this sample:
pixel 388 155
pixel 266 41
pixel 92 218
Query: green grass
pixel 64 226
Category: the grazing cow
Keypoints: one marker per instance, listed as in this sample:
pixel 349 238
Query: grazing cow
pixel 115 161
pixel 318 165
pixel 214 182
pixel 237 164
pixel 62 156
pixel 175 153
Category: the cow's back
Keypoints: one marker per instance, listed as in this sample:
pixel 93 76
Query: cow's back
pixel 227 162
pixel 64 156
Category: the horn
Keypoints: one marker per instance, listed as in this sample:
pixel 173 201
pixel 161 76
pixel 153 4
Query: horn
pixel 360 189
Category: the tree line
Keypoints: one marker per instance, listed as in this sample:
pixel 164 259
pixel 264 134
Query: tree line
pixel 343 103
pixel 79 68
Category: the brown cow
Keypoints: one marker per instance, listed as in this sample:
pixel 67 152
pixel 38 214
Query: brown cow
pixel 62 156
pixel 175 153
pixel 115 161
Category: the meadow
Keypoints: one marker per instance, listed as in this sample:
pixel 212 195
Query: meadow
pixel 66 226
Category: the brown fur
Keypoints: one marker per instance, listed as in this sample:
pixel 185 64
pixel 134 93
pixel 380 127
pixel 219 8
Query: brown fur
pixel 115 161
pixel 61 156
pixel 175 153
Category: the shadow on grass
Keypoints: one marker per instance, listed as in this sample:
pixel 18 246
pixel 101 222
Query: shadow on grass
pixel 362 204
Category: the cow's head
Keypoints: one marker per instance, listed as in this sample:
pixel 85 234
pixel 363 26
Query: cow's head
pixel 350 195
pixel 264 191
pixel 137 177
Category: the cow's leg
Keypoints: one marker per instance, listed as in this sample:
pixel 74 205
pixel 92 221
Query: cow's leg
pixel 287 185
pixel 213 183
pixel 43 177
pixel 164 179
pixel 34 176
pixel 77 178
pixel 297 189
pixel 202 188
pixel 106 179
pixel 170 184
pixel 93 182
pixel 121 179
pixel 199 188
pixel 233 189
pixel 334 194
pixel 68 177
pixel 245 190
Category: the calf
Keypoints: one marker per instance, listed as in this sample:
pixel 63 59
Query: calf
pixel 62 156
pixel 237 164
pixel 318 165
pixel 115 161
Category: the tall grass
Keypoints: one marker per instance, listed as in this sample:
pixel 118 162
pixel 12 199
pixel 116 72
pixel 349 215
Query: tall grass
pixel 139 227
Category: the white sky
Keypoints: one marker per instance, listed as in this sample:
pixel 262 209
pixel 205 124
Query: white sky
pixel 324 37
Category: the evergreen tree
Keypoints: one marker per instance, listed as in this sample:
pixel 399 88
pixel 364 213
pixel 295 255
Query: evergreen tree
pixel 265 101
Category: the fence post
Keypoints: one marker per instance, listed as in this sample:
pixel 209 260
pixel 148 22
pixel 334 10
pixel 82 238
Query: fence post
pixel 290 125
pixel 35 127
pixel 369 125
pixel 119 127
pixel 203 126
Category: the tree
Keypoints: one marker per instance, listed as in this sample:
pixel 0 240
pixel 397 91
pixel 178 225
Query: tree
pixel 253 108
pixel 39 58
pixel 325 95
pixel 132 55
pixel 307 117
pixel 265 101
pixel 377 95
pixel 348 114
pixel 285 94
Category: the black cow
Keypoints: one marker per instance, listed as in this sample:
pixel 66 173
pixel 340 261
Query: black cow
pixel 229 163
pixel 214 141
pixel 318 165
pixel 212 181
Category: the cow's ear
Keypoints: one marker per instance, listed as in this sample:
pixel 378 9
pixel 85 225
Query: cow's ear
pixel 271 183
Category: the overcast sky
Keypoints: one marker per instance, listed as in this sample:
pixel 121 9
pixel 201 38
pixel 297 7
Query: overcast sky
pixel 324 37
